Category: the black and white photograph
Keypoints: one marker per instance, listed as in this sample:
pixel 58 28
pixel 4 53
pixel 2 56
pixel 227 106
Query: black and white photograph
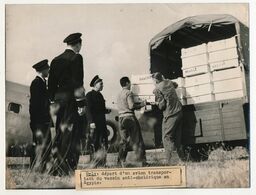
pixel 127 89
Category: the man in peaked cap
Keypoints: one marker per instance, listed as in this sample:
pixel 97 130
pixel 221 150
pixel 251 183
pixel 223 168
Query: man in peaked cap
pixel 98 138
pixel 67 93
pixel 40 117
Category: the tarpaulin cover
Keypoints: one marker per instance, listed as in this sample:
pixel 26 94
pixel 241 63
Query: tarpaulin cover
pixel 196 30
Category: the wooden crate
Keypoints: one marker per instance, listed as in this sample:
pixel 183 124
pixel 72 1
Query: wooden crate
pixel 224 64
pixel 229 95
pixel 221 55
pixel 191 51
pixel 183 101
pixel 199 90
pixel 196 60
pixel 222 44
pixel 181 92
pixel 141 79
pixel 180 81
pixel 228 85
pixel 227 74
pixel 200 99
pixel 140 98
pixel 187 72
pixel 198 79
pixel 143 89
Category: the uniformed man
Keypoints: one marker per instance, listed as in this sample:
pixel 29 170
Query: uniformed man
pixel 98 138
pixel 168 102
pixel 40 117
pixel 67 95
pixel 130 131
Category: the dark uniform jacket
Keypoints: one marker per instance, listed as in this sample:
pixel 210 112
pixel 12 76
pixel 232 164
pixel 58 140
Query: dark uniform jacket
pixel 96 107
pixel 66 75
pixel 38 103
pixel 96 111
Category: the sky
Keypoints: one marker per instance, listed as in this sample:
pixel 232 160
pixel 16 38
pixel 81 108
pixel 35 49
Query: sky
pixel 115 36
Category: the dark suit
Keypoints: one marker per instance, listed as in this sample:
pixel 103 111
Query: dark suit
pixel 96 114
pixel 66 75
pixel 39 122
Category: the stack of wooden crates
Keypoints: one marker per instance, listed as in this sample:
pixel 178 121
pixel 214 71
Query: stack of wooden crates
pixel 212 72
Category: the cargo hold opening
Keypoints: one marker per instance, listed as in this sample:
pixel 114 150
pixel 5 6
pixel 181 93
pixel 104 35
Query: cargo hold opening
pixel 166 58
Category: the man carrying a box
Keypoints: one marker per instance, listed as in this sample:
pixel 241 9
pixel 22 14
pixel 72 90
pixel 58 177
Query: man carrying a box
pixel 130 131
pixel 168 102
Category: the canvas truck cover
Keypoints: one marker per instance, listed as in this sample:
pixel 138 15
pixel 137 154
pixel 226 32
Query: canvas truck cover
pixel 193 31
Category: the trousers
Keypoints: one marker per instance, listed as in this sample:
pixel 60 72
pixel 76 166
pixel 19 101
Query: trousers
pixel 67 143
pixel 171 134
pixel 130 134
pixel 41 146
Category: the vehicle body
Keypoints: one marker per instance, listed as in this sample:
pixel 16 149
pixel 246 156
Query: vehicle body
pixel 212 121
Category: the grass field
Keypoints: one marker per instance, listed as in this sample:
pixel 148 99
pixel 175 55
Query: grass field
pixel 223 169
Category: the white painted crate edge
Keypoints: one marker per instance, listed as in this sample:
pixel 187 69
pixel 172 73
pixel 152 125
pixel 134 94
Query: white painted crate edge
pixel 229 95
pixel 198 79
pixel 227 74
pixel 197 70
pixel 228 85
pixel 200 99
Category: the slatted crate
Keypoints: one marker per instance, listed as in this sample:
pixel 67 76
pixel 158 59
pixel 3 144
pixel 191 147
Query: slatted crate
pixel 229 95
pixel 222 44
pixel 141 79
pixel 228 85
pixel 224 64
pixel 180 81
pixel 191 51
pixel 140 98
pixel 227 74
pixel 183 101
pixel 197 70
pixel 196 60
pixel 222 55
pixel 199 90
pixel 143 89
pixel 200 99
pixel 181 92
pixel 198 79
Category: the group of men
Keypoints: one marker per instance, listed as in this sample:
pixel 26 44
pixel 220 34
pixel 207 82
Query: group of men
pixel 64 97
